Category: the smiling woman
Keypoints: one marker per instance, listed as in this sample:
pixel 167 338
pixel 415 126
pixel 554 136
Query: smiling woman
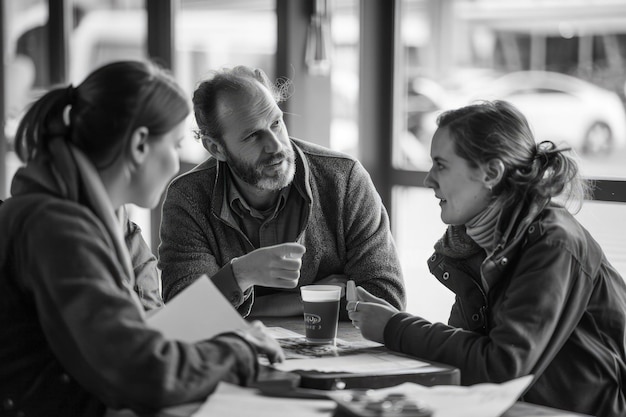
pixel 534 290
pixel 560 63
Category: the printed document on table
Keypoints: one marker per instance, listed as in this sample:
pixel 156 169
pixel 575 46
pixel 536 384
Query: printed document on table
pixel 233 400
pixel 365 361
pixel 480 400
pixel 199 312
pixel 356 357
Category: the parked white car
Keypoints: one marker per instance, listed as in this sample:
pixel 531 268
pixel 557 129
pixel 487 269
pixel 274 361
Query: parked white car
pixel 559 107
pixel 565 109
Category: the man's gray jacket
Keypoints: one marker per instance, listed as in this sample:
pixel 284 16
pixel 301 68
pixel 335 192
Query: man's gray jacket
pixel 346 232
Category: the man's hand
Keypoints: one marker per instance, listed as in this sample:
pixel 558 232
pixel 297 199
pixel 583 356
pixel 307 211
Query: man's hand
pixel 272 266
pixel 370 314
pixel 257 336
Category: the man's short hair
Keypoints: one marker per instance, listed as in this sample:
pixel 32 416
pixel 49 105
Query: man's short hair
pixel 208 93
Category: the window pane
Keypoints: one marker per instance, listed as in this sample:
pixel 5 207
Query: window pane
pixel 417 228
pixel 216 34
pixel 458 51
pixel 564 71
pixel 344 130
pixel 26 60
pixel 607 224
pixel 105 32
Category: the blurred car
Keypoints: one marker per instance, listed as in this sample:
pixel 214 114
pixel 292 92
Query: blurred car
pixel 564 109
pixel 559 107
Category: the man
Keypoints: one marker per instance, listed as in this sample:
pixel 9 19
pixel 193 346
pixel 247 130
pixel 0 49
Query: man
pixel 268 214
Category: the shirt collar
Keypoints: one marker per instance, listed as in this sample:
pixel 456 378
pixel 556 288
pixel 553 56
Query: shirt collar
pixel 221 193
pixel 239 206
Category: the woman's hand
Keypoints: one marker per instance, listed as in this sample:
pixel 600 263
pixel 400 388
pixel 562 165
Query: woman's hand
pixel 370 314
pixel 257 336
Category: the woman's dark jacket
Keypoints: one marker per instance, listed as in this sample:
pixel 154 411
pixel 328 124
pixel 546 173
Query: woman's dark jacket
pixel 547 302
pixel 74 340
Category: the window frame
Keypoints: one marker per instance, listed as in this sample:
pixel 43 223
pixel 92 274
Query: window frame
pixel 379 72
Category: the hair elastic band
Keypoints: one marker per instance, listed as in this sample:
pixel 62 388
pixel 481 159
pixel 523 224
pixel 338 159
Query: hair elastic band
pixel 66 115
pixel 70 96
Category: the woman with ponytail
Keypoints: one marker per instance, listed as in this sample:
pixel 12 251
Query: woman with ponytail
pixel 535 294
pixel 75 275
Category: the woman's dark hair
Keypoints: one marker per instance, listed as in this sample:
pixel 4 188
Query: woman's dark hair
pixel 491 130
pixel 209 92
pixel 99 115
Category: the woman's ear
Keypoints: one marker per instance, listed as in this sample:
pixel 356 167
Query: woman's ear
pixel 139 146
pixel 493 171
pixel 214 147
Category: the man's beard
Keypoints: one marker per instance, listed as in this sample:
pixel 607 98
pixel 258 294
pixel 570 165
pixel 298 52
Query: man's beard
pixel 253 174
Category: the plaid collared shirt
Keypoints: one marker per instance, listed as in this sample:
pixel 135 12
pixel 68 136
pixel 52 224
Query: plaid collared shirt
pixel 278 224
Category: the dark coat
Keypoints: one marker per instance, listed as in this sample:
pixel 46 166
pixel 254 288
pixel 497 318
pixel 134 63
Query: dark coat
pixel 547 302
pixel 74 338
pixel 346 229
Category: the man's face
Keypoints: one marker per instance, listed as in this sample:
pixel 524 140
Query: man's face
pixel 255 139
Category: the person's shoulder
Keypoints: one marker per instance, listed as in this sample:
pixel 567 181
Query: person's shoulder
pixel 40 203
pixel 327 163
pixel 198 174
pixel 556 217
pixel 46 213
pixel 557 228
pixel 558 225
pixel 313 150
pixel 46 222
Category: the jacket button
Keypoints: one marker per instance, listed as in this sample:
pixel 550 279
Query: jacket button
pixel 446 275
pixel 531 229
pixel 64 378
pixel 433 258
pixel 475 317
pixel 503 261
pixel 7 404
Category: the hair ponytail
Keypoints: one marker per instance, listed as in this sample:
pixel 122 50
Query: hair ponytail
pixel 43 120
pixel 101 113
pixel 556 175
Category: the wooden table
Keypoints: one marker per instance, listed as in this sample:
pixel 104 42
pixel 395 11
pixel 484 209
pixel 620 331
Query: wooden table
pixel 348 333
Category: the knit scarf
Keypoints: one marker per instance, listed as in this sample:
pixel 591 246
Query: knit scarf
pixel 482 227
pixel 477 235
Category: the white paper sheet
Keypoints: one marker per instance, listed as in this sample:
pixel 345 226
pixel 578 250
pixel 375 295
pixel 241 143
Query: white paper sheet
pixel 356 363
pixel 199 312
pixel 482 400
pixel 232 400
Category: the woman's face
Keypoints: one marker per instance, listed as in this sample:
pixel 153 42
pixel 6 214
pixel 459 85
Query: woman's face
pixel 159 167
pixel 460 188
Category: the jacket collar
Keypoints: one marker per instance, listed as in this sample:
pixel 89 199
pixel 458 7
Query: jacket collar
pixel 511 230
pixel 512 227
